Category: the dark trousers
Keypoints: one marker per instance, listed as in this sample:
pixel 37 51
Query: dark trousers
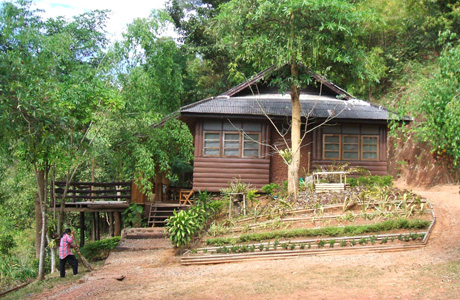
pixel 72 261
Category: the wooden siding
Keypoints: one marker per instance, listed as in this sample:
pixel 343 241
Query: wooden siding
pixel 214 173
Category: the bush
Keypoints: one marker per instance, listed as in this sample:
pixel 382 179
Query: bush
pixel 371 181
pixel 184 225
pixel 99 250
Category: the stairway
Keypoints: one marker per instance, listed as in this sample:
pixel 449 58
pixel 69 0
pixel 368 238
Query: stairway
pixel 138 239
pixel 159 212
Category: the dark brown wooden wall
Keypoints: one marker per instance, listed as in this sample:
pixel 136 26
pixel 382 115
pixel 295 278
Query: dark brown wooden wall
pixel 215 173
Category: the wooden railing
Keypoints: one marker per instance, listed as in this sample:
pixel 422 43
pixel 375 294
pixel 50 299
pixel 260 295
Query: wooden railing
pixel 90 191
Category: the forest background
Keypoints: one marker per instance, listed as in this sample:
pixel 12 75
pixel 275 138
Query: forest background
pixel 74 105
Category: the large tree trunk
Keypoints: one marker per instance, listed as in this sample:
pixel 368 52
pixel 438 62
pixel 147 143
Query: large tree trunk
pixel 293 168
pixel 42 179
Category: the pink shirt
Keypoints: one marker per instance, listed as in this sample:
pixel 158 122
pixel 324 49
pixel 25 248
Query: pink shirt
pixel 64 246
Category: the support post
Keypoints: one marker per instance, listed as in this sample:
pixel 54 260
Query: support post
pixel 82 229
pixel 93 227
pixel 97 225
pixel 110 217
pixel 117 223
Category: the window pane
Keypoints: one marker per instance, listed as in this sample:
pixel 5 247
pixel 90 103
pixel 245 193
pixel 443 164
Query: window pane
pixel 331 154
pixel 369 140
pixel 212 136
pixel 232 137
pixel 350 129
pixel 211 152
pixel 369 155
pixel 212 125
pixel 232 152
pixel 350 140
pixel 331 147
pixel 208 144
pixel 251 152
pixel 233 126
pixel 251 145
pixel 251 137
pixel 371 148
pixel 350 155
pixel 332 139
pixel 350 147
pixel 232 145
pixel 252 126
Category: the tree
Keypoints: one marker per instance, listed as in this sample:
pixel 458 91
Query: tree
pixel 322 35
pixel 52 85
pixel 150 74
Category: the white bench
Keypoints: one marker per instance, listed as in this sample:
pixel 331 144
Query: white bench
pixel 321 187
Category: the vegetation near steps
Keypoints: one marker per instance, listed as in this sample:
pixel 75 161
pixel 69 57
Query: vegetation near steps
pixel 99 250
pixel 349 230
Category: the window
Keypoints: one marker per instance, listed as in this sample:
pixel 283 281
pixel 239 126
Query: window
pixel 251 145
pixel 232 144
pixel 351 142
pixel 370 147
pixel 211 145
pixel 350 147
pixel 331 146
pixel 231 138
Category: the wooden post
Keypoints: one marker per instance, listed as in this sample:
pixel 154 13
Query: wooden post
pixel 111 231
pixel 117 223
pixel 97 226
pixel 82 229
pixel 93 227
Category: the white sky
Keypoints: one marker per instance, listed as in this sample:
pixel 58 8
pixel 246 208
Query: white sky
pixel 123 12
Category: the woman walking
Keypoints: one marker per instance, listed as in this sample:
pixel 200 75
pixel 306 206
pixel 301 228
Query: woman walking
pixel 65 255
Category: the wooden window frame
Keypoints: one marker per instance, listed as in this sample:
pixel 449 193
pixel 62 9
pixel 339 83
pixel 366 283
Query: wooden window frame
pixel 343 147
pixel 362 147
pixel 243 144
pixel 220 143
pixel 239 143
pixel 340 146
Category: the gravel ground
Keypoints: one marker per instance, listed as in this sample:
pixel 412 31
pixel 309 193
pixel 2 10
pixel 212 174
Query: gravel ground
pixel 432 272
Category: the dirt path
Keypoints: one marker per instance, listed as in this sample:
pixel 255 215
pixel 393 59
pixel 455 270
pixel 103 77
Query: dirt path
pixel 429 273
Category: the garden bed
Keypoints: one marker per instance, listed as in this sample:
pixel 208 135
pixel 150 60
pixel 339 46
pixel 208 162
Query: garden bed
pixel 399 223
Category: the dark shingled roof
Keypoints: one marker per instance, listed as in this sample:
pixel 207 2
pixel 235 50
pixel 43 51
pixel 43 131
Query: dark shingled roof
pixel 280 105
pixel 275 104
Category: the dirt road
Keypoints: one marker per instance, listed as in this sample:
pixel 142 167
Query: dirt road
pixel 429 273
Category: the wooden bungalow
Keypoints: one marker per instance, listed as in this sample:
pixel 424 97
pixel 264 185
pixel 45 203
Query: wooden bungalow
pixel 233 132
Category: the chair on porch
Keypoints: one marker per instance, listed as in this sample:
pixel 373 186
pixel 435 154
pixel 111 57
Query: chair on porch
pixel 185 197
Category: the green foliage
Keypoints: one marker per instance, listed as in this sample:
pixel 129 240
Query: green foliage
pixel 99 250
pixel 13 270
pixel 438 112
pixel 372 181
pixel 270 188
pixel 132 216
pixel 186 224
pixel 349 230
pixel 323 35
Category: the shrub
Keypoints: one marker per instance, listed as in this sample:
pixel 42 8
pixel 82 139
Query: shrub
pixel 184 225
pixel 133 215
pixel 270 188
pixel 371 181
pixel 99 250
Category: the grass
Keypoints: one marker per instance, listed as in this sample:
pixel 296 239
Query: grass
pixel 51 281
pixel 350 230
